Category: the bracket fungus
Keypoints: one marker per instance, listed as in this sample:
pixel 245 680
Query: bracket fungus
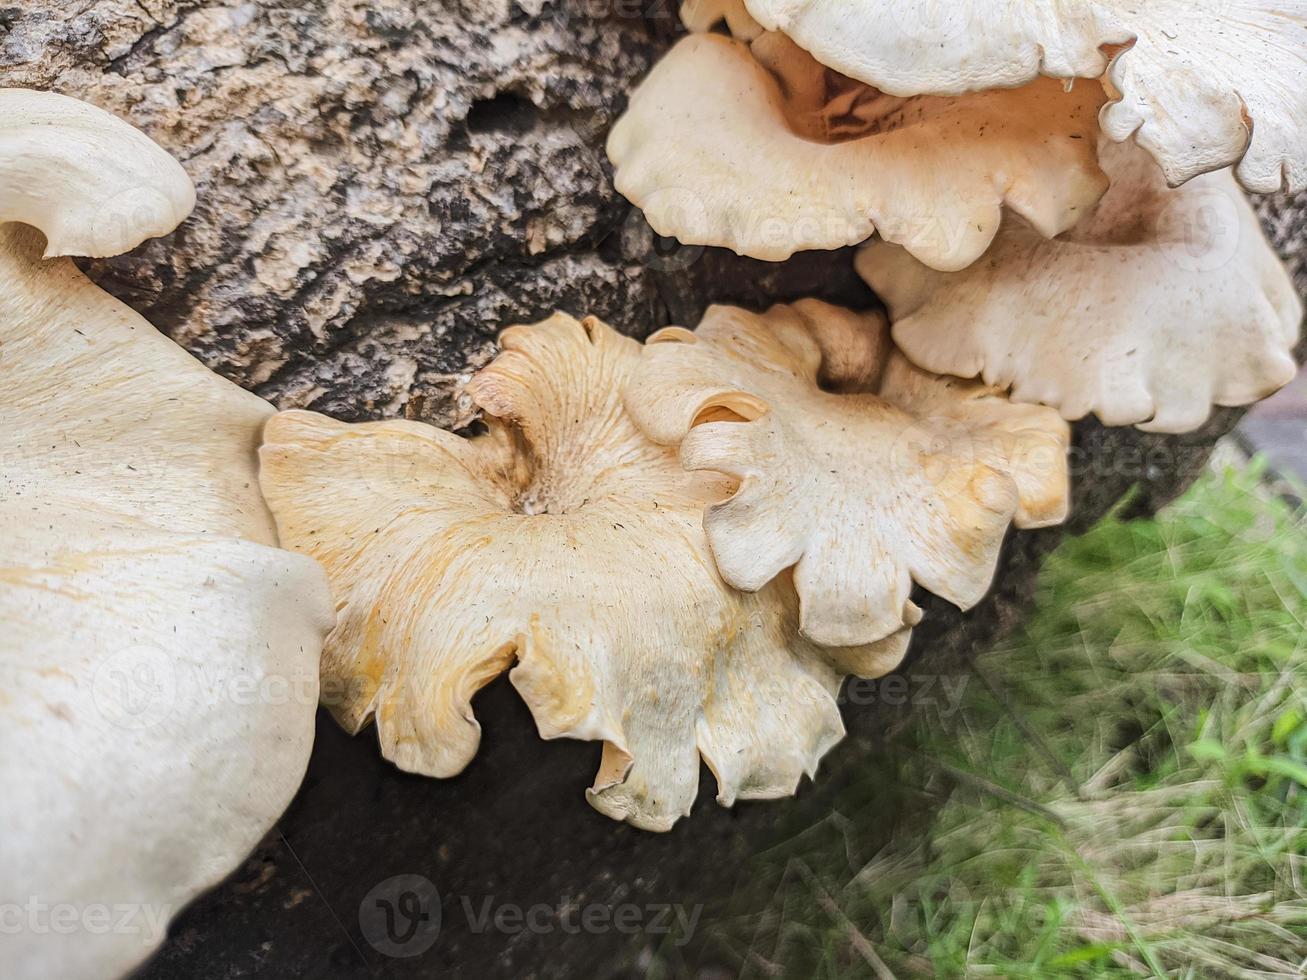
pixel 566 541
pixel 1200 84
pixel 94 185
pixel 898 476
pixel 159 654
pixel 760 150
pixel 1157 306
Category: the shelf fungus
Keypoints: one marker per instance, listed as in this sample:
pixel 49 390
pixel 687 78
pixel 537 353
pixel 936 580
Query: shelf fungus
pixel 761 149
pixel 159 652
pixel 1201 84
pixel 897 476
pixel 1157 306
pixel 566 542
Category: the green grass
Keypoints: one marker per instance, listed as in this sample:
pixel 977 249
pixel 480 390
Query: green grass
pixel 1123 792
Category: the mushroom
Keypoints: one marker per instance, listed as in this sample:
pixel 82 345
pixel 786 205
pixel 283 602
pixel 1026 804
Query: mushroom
pixel 718 150
pixel 92 183
pixel 1201 84
pixel 898 476
pixel 160 655
pixel 564 541
pixel 1159 305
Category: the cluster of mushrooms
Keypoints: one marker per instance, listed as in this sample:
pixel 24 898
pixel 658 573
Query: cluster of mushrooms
pixel 678 548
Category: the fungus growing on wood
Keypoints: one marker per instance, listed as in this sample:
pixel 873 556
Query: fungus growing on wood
pixel 1200 84
pixel 566 542
pixel 717 149
pixel 897 477
pixel 1161 304
pixel 160 654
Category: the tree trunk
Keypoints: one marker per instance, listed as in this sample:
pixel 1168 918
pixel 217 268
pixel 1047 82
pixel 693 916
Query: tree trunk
pixel 384 185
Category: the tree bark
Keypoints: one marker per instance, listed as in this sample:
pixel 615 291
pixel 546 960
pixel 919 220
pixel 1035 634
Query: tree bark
pixel 383 186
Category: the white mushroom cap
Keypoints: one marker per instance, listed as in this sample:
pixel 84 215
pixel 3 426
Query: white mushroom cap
pixel 93 184
pixel 897 477
pixel 566 542
pixel 1159 305
pixel 157 718
pixel 160 659
pixel 109 409
pixel 1203 84
pixel 709 151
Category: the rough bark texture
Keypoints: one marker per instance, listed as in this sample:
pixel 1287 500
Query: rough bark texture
pixel 384 185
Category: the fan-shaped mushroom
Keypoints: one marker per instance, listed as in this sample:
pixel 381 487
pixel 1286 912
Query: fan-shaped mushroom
pixel 907 477
pixel 159 654
pixel 565 540
pixel 94 185
pixel 1159 305
pixel 716 152
pixel 1202 84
